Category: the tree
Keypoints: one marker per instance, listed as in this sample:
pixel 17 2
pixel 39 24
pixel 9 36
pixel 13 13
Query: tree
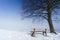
pixel 41 9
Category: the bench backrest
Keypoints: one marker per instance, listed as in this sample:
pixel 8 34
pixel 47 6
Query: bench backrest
pixel 39 29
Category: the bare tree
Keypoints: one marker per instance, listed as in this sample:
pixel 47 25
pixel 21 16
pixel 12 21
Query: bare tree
pixel 41 9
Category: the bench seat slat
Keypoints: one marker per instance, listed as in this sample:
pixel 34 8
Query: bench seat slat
pixel 36 31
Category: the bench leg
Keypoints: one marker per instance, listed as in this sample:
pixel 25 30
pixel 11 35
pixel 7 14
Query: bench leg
pixel 45 33
pixel 33 34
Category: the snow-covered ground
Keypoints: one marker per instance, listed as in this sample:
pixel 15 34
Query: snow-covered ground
pixel 14 35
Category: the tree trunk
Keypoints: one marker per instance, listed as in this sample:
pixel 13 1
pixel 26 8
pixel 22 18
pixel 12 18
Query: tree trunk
pixel 52 30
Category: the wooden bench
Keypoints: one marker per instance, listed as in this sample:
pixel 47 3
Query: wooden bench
pixel 38 30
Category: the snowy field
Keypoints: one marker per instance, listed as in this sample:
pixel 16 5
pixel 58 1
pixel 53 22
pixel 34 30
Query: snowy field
pixel 14 35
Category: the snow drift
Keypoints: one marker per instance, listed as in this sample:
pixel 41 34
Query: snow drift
pixel 14 35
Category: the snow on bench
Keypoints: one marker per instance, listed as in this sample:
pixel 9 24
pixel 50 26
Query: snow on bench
pixel 38 30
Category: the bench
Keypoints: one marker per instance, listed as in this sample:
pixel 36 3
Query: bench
pixel 38 30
